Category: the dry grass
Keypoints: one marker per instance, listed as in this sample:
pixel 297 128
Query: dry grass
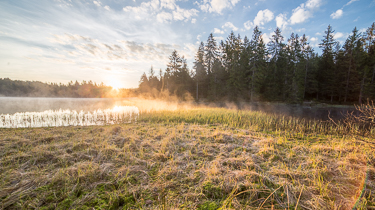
pixel 179 165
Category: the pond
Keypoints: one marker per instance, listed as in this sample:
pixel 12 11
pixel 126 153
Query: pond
pixel 49 112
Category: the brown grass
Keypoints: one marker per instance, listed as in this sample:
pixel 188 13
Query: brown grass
pixel 179 166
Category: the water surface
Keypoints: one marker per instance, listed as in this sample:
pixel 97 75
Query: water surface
pixel 51 112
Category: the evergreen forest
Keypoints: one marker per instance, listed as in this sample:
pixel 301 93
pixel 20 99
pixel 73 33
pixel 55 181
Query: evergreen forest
pixel 85 89
pixel 285 69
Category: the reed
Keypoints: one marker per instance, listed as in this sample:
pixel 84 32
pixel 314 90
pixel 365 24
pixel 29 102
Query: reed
pixel 198 158
pixel 55 118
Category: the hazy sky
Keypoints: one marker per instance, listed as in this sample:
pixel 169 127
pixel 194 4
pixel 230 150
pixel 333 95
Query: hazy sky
pixel 115 41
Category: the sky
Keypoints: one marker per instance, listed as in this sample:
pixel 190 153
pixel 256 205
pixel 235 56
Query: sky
pixel 115 41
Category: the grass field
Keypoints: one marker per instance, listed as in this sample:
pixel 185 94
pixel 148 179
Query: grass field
pixel 205 158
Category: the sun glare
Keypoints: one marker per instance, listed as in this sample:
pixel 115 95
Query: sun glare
pixel 115 84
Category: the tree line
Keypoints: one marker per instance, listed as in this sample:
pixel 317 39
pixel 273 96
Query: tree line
pixel 75 89
pixel 281 70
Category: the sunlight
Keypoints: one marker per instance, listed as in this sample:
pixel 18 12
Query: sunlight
pixel 116 109
pixel 114 83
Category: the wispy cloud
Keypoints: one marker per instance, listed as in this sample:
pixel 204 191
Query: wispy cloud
pixel 350 2
pixel 164 11
pixel 229 25
pixel 217 6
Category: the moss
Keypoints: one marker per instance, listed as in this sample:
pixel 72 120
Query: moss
pixel 212 191
pixel 208 205
pixel 65 204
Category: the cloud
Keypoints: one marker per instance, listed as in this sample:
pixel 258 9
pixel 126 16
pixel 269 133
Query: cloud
pixel 350 2
pixel 193 20
pixel 219 38
pixel 337 14
pixel 281 21
pixel 94 39
pixel 267 37
pixel 97 3
pixel 164 17
pixel 229 25
pixel 313 39
pixel 191 48
pixel 183 14
pixel 362 30
pixel 248 25
pixel 218 31
pixel 338 35
pixel 89 50
pixel 313 4
pixel 263 17
pixel 169 4
pixel 107 7
pixel 64 3
pixel 155 8
pixel 217 5
pixel 66 38
pixel 304 11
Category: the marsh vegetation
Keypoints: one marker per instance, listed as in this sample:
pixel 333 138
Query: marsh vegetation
pixel 190 158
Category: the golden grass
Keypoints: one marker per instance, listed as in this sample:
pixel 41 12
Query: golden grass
pixel 191 159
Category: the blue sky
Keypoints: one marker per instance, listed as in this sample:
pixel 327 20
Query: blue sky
pixel 114 41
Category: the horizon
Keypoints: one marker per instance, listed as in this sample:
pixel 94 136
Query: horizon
pixel 115 42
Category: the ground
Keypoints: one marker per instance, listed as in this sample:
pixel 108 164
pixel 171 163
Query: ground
pixel 189 161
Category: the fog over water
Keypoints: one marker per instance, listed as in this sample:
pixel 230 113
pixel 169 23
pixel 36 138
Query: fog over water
pixel 38 112
pixel 51 112
pixel 12 105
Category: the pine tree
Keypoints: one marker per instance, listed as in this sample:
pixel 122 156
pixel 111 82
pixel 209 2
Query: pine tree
pixel 210 53
pixel 276 50
pixel 349 47
pixel 233 48
pixel 257 64
pixel 143 83
pixel 175 62
pixel 327 67
pixel 369 40
pixel 200 70
pixel 307 52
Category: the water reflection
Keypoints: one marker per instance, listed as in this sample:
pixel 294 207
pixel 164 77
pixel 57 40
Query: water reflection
pixel 11 105
pixel 53 118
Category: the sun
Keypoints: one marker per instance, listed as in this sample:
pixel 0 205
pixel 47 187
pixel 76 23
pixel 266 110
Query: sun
pixel 114 83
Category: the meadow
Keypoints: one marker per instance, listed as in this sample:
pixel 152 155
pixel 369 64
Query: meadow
pixel 190 158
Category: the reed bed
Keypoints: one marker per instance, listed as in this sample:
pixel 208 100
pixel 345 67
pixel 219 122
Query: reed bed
pixel 258 121
pixel 54 118
pixel 206 158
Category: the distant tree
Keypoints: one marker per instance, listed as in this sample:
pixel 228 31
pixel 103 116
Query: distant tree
pixel 143 83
